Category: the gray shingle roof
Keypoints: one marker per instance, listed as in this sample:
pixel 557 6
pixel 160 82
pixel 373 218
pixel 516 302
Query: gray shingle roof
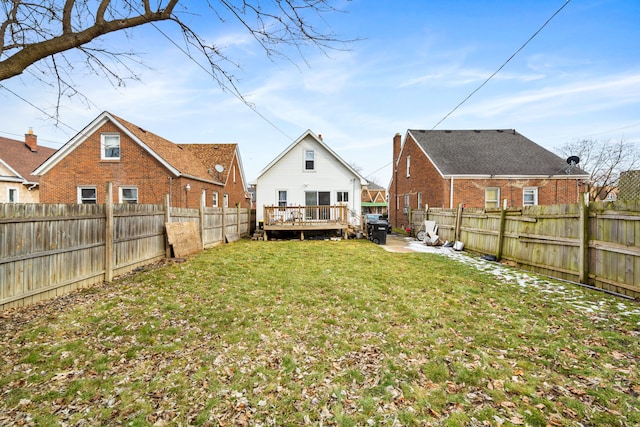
pixel 488 152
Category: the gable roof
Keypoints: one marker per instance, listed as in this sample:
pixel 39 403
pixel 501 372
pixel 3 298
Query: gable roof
pixel 319 141
pixel 212 155
pixel 177 160
pixel 19 159
pixel 499 152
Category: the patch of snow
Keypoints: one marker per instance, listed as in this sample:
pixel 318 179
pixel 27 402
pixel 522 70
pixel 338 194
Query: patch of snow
pixel 526 280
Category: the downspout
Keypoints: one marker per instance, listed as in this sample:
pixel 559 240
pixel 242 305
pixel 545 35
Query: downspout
pixel 451 195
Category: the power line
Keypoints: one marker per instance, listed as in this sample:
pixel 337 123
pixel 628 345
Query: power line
pixel 229 90
pixel 36 107
pixel 502 66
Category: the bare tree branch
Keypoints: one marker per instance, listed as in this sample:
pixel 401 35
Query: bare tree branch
pixel 38 31
pixel 604 161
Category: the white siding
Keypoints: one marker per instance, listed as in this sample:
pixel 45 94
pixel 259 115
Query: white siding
pixel 289 174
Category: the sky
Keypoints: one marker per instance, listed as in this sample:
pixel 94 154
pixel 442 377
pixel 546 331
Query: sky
pixel 407 65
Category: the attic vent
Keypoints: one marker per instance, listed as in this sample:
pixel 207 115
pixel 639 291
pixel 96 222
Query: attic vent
pixel 142 130
pixel 422 131
pixel 447 131
pixel 476 131
pixel 500 130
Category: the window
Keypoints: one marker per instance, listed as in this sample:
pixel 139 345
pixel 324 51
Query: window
pixel 214 197
pixel 317 198
pixel 492 197
pixel 530 196
pixel 12 195
pixel 408 166
pixel 110 144
pixel 129 195
pixel 420 200
pixel 282 198
pixel 406 203
pixel 87 195
pixel 309 160
pixel 342 196
pixel 225 199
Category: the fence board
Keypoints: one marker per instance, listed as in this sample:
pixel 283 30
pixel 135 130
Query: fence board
pixel 50 250
pixel 546 240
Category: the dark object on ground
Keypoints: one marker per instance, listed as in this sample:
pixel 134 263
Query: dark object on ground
pixel 377 218
pixel 491 258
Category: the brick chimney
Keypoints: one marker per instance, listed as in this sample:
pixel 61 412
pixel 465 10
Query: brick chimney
pixel 397 141
pixel 31 140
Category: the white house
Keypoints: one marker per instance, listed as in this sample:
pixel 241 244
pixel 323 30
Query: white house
pixel 308 174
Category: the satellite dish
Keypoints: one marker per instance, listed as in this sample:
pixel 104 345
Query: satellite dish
pixel 219 168
pixel 573 160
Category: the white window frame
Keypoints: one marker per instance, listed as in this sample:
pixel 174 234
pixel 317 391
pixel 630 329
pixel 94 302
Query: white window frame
pixel 282 201
pixel 408 166
pixel 214 199
pixel 225 200
pixel 407 201
pixel 342 197
pixel 15 191
pixel 103 146
pixel 121 198
pixel 87 187
pixel 530 191
pixel 419 199
pixel 309 160
pixel 490 202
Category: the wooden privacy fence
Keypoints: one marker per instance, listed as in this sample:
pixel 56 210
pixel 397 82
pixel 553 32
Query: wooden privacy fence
pixel 51 250
pixel 597 243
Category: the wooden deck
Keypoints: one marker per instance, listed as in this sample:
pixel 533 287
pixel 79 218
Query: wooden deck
pixel 305 218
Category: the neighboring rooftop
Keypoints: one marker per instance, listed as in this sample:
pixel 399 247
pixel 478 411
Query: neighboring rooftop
pixel 489 152
pixel 24 156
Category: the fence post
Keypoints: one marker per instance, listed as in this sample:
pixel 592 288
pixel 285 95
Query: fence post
pixel 458 222
pixel 583 261
pixel 203 197
pixel 238 222
pixel 503 220
pixel 108 235
pixel 224 223
pixel 167 219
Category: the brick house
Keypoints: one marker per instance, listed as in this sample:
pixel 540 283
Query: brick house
pixel 478 168
pixel 18 159
pixel 142 167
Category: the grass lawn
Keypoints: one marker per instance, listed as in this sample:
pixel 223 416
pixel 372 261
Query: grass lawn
pixel 321 333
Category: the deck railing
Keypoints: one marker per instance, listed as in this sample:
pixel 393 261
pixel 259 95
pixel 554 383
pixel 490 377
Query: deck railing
pixel 298 216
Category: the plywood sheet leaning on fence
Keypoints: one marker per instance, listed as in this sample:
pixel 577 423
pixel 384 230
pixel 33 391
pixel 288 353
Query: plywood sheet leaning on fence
pixel 184 238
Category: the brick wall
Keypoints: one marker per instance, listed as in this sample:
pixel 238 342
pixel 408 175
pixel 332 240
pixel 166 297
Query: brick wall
pixel 436 191
pixel 135 168
pixel 471 192
pixel 423 178
pixel 234 187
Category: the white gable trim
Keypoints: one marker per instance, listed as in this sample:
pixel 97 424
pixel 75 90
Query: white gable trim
pixel 308 132
pixel 12 170
pixel 89 130
pixel 415 140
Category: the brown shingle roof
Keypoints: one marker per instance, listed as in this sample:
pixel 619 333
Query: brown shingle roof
pixel 182 160
pixel 213 154
pixel 488 152
pixel 20 157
